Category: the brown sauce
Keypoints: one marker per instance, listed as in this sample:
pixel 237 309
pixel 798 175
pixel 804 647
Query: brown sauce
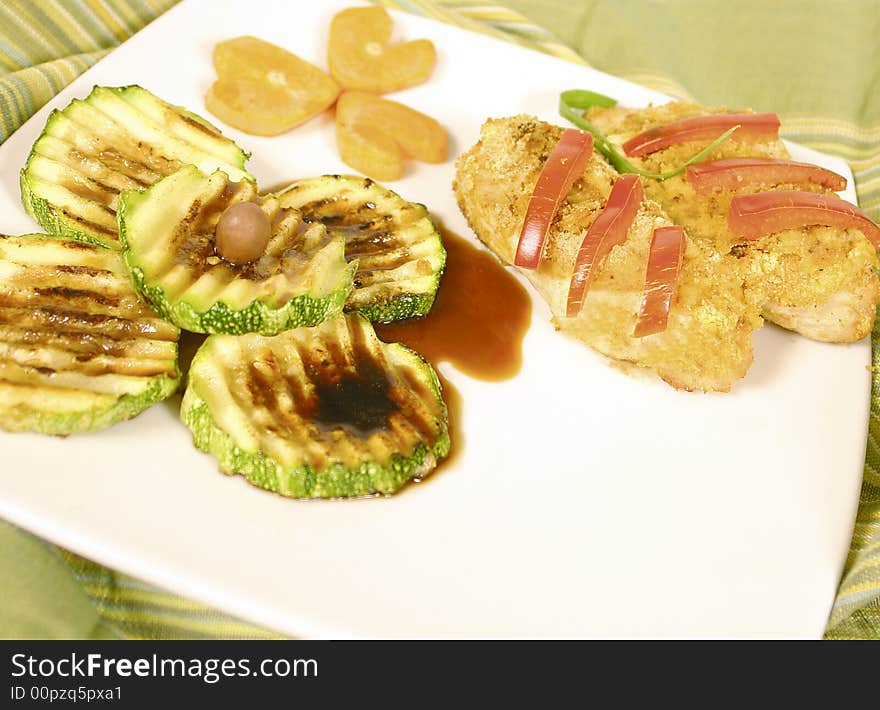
pixel 478 320
pixel 359 400
pixel 477 324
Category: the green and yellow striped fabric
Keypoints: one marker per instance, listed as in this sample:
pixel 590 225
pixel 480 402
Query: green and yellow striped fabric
pixel 812 61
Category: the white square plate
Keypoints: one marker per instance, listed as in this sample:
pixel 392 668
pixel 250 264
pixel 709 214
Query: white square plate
pixel 642 511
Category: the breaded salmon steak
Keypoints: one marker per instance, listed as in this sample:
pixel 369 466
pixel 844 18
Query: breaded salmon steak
pixel 707 344
pixel 818 281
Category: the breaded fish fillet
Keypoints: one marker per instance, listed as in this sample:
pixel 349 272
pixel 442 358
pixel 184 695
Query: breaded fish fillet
pixel 817 281
pixel 707 344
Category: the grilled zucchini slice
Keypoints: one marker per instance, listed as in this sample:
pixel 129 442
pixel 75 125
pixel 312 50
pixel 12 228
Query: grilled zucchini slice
pixel 320 412
pixel 117 138
pixel 79 350
pixel 399 251
pixel 167 232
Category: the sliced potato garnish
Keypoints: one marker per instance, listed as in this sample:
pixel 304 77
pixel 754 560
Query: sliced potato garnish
pixel 265 90
pixel 361 57
pixel 375 136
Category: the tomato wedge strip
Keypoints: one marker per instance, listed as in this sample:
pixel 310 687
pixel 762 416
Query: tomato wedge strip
pixel 608 230
pixel 734 173
pixel 661 277
pixel 564 166
pixel 755 216
pixel 700 128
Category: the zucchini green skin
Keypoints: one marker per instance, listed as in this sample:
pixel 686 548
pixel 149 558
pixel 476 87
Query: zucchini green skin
pixel 402 306
pixel 408 305
pixel 53 219
pixel 396 303
pixel 300 311
pixel 23 419
pixel 219 317
pixel 335 481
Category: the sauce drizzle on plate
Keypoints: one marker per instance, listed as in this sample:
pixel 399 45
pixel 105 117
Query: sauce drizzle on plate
pixel 478 320
pixel 477 324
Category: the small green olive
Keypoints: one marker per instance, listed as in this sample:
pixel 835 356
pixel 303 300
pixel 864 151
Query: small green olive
pixel 242 233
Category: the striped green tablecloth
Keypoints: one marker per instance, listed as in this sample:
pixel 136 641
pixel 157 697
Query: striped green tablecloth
pixel 815 62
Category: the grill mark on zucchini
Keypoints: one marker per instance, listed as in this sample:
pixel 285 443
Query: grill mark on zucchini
pixel 287 424
pixel 79 188
pixel 319 412
pixel 98 165
pixel 78 350
pixel 167 123
pixel 75 181
pixel 81 270
pixel 66 293
pixel 63 361
pixel 115 140
pixel 386 279
pixel 86 142
pixel 192 241
pixel 416 390
pixel 199 125
pixel 117 384
pixel 193 244
pixel 98 282
pixel 185 230
pixel 93 180
pixel 89 224
pixel 375 242
pixel 106 193
pixel 214 208
pixel 384 233
pixel 129 166
pixel 301 278
pixel 384 262
pixel 116 328
pixel 85 344
pixel 135 151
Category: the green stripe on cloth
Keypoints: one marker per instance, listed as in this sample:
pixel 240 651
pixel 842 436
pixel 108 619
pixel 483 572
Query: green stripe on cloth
pixel 41 599
pixel 823 78
pixel 46 44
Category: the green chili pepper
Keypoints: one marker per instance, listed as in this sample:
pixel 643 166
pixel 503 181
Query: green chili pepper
pixel 574 102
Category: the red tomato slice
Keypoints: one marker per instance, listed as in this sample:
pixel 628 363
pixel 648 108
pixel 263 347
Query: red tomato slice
pixel 734 173
pixel 607 231
pixel 702 128
pixel 755 216
pixel 661 277
pixel 564 166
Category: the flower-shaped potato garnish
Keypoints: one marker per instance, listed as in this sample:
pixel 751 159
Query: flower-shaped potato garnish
pixel 361 57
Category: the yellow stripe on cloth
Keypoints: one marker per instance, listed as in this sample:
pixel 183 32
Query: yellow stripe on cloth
pixel 494 21
pixel 74 34
pixel 45 44
pixel 140 611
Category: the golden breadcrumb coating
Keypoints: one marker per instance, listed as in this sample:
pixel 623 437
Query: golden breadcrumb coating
pixel 818 281
pixel 707 344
